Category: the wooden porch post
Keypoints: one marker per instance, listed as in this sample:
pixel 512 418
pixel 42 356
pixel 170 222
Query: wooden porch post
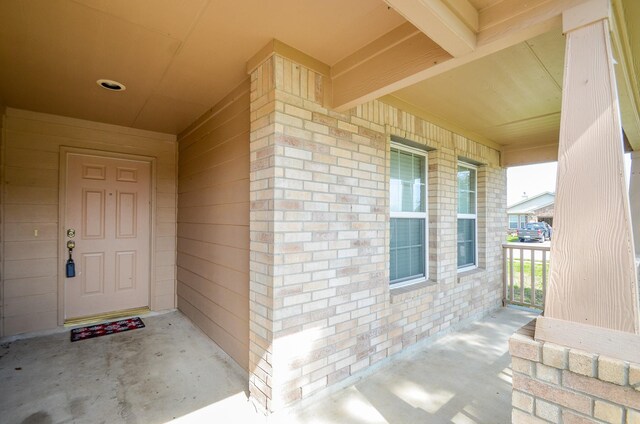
pixel 634 198
pixel 593 284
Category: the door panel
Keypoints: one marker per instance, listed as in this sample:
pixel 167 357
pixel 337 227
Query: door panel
pixel 125 270
pixel 93 275
pixel 128 175
pixel 93 209
pixel 108 205
pixel 93 172
pixel 126 219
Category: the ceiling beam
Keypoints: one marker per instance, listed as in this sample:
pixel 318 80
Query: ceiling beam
pixel 378 46
pixel 440 23
pixel 366 75
pixel 529 154
pixel 466 12
pixel 391 62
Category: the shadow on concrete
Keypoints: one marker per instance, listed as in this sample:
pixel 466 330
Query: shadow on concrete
pixel 464 378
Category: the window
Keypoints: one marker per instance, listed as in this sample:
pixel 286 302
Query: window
pixel 467 217
pixel 408 199
pixel 513 222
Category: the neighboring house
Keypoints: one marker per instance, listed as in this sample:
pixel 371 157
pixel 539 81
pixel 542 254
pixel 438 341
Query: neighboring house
pixel 537 208
pixel 319 206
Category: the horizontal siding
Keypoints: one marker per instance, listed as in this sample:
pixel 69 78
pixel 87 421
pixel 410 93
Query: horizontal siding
pixel 224 173
pixel 226 235
pixel 2 232
pixel 213 225
pixel 32 321
pixel 32 286
pixel 218 274
pixel 221 335
pixel 30 193
pixel 19 250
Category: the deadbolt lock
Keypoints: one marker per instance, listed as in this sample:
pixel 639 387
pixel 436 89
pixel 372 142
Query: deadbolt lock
pixel 71 233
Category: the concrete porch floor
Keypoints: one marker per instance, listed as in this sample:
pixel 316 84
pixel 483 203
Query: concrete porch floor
pixel 171 370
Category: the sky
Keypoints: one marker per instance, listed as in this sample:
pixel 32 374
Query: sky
pixel 536 179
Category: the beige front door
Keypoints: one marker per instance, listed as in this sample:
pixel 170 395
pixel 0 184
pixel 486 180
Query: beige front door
pixel 107 205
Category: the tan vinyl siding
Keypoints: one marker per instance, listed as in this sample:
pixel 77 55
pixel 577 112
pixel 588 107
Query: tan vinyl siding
pixel 213 224
pixel 30 193
pixel 2 288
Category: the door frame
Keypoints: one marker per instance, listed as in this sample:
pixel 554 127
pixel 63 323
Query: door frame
pixel 62 200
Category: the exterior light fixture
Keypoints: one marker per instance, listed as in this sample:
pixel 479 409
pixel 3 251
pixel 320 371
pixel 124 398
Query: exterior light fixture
pixel 111 85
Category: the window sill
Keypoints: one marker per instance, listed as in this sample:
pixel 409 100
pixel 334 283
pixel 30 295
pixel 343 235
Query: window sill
pixel 465 275
pixel 400 294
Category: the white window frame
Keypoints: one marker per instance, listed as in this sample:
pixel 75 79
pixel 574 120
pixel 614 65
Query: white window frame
pixel 469 216
pixel 423 215
pixel 517 224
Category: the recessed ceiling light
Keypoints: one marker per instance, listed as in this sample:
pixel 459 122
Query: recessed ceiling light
pixel 111 85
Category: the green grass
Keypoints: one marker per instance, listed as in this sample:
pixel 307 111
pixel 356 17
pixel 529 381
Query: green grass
pixel 511 238
pixel 527 281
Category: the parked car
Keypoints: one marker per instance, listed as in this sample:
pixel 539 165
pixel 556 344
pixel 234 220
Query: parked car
pixel 539 231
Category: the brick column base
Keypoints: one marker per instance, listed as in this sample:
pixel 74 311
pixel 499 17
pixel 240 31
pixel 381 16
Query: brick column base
pixel 557 384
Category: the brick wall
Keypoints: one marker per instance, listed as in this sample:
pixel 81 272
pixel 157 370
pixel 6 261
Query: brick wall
pixel 321 309
pixel 555 384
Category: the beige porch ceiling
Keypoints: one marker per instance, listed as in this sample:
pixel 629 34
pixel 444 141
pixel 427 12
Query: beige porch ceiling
pixel 513 96
pixel 178 58
pixel 510 97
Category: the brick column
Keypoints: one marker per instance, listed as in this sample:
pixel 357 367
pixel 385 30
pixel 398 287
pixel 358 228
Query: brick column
pixel 556 384
pixel 261 259
pixel 318 237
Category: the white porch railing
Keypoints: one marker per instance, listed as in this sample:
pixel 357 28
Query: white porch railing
pixel 525 274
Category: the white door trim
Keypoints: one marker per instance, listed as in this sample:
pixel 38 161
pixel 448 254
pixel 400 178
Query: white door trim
pixel 62 250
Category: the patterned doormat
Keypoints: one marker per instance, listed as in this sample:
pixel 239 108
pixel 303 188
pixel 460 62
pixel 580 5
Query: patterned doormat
pixel 106 328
